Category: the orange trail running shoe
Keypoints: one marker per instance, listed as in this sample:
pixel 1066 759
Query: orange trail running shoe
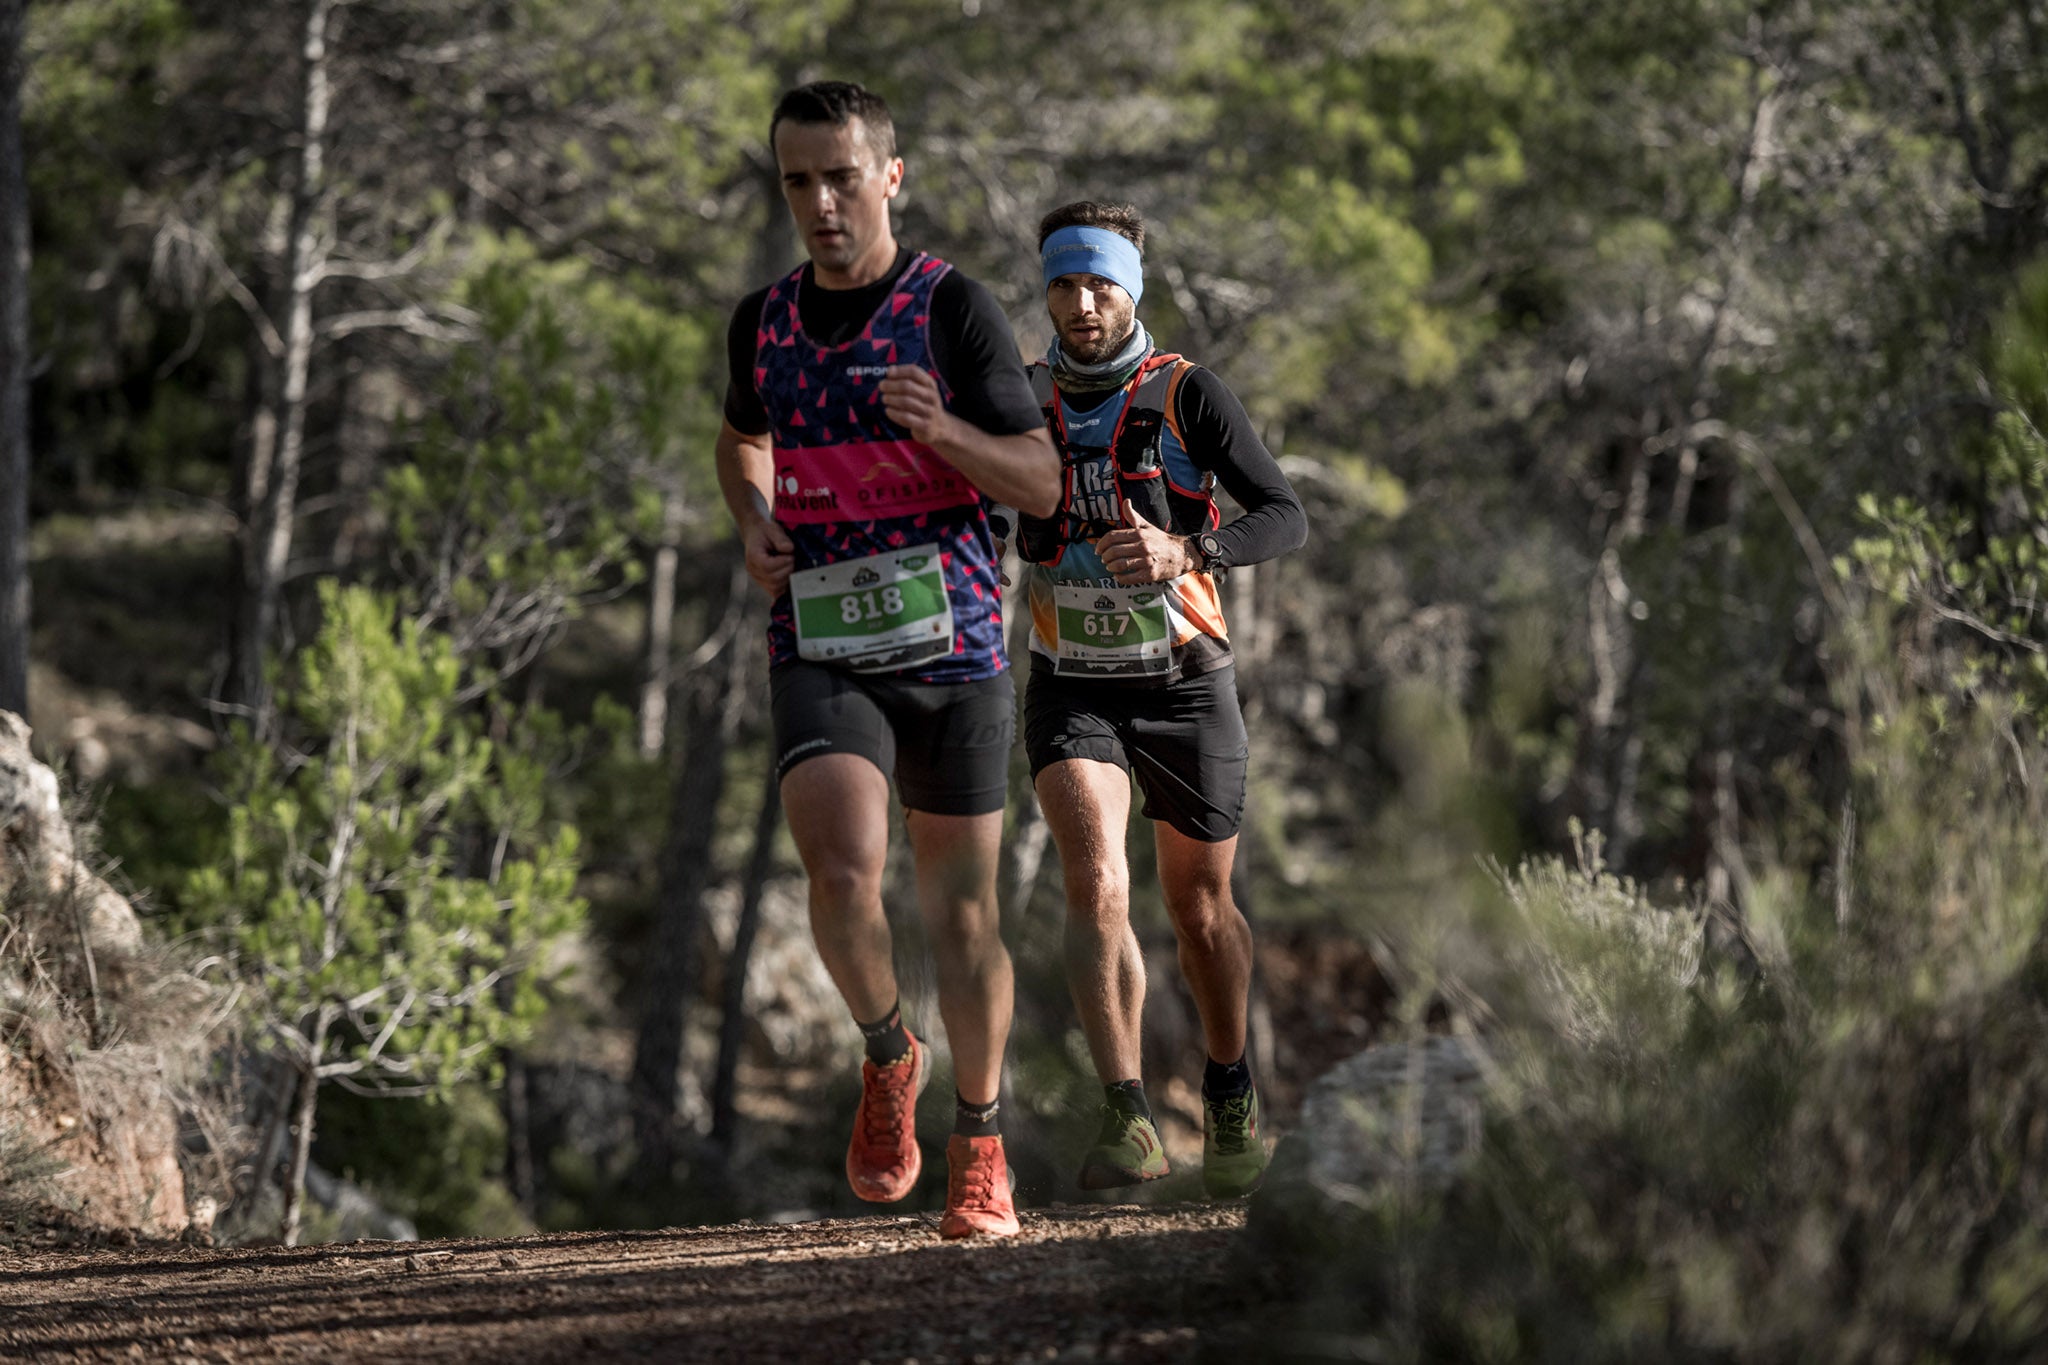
pixel 882 1161
pixel 977 1189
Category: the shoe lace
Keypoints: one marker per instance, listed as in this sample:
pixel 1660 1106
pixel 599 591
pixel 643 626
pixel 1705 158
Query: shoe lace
pixel 1114 1123
pixel 888 1098
pixel 1230 1123
pixel 973 1184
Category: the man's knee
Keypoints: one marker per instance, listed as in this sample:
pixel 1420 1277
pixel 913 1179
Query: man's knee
pixel 1201 910
pixel 1098 893
pixel 969 940
pixel 841 889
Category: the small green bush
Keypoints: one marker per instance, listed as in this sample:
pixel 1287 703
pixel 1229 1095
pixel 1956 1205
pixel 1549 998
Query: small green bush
pixel 1834 1145
pixel 394 879
pixel 1844 1158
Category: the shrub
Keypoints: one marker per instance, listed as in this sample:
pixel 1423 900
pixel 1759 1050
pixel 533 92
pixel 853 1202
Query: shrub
pixel 393 878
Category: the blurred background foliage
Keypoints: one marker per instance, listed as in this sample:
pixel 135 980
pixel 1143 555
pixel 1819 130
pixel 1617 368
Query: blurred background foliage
pixel 1666 385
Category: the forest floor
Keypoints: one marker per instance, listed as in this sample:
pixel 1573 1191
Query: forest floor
pixel 1095 1282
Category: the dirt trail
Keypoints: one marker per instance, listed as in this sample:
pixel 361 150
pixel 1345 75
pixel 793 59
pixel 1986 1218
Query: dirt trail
pixel 1084 1283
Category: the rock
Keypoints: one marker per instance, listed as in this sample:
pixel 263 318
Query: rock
pixel 356 1211
pixel 107 1103
pixel 32 821
pixel 200 1215
pixel 1397 1115
pixel 110 922
pixel 31 813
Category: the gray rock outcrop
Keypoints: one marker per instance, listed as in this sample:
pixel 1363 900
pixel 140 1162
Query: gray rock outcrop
pixel 36 843
pixel 72 952
pixel 1396 1116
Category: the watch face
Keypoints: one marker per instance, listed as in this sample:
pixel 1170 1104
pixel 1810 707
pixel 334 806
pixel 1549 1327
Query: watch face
pixel 1212 548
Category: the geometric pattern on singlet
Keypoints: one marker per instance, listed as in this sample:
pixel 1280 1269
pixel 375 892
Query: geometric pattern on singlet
pixel 849 482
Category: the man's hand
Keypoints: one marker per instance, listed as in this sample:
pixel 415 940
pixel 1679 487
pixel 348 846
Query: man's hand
pixel 1021 471
pixel 1140 552
pixel 911 398
pixel 771 555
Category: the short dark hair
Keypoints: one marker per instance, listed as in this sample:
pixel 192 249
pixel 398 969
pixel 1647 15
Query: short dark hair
pixel 1122 219
pixel 837 103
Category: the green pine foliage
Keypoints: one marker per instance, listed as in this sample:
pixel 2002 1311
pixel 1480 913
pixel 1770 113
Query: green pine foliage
pixel 1975 572
pixel 393 879
pixel 534 475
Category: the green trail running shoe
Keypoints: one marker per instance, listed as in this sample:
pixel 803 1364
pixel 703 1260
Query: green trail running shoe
pixel 1126 1152
pixel 1233 1154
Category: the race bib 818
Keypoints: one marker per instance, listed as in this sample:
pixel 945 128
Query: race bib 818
pixel 882 611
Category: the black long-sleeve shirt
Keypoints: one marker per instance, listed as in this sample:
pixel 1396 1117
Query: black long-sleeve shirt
pixel 1219 438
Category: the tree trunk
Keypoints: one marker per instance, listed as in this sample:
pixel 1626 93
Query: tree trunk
pixel 1726 877
pixel 302 1134
pixel 267 538
pixel 658 667
pixel 519 1175
pixel 1607 762
pixel 716 702
pixel 368 405
pixel 732 1023
pixel 14 367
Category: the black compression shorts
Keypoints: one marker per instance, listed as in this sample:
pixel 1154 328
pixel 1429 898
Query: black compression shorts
pixel 1185 742
pixel 947 744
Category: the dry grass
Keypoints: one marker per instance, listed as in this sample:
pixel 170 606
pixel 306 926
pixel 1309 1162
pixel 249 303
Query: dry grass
pixel 106 1048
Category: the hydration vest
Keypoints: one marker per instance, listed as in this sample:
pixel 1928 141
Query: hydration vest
pixel 1135 451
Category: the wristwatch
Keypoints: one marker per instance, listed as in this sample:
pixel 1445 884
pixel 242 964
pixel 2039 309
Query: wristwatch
pixel 1209 553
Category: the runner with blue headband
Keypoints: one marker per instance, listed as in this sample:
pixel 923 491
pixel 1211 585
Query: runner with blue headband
pixel 1132 676
pixel 1094 251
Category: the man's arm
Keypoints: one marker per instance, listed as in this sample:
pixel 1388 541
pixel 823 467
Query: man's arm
pixel 1021 471
pixel 1220 439
pixel 746 468
pixel 746 458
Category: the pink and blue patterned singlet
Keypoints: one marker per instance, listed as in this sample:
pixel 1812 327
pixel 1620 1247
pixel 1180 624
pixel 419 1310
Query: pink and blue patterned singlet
pixel 850 483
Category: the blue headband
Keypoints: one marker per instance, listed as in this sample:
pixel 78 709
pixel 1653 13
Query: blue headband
pixel 1095 251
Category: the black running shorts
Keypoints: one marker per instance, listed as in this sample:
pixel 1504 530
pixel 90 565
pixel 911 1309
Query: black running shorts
pixel 947 744
pixel 1185 742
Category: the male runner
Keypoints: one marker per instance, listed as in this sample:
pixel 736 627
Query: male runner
pixel 1131 675
pixel 876 404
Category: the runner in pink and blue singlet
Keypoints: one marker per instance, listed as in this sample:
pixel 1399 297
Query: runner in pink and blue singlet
pixel 850 483
pixel 876 405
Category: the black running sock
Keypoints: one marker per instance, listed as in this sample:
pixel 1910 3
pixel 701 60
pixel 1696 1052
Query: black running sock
pixel 887 1039
pixel 975 1120
pixel 1226 1080
pixel 1127 1098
